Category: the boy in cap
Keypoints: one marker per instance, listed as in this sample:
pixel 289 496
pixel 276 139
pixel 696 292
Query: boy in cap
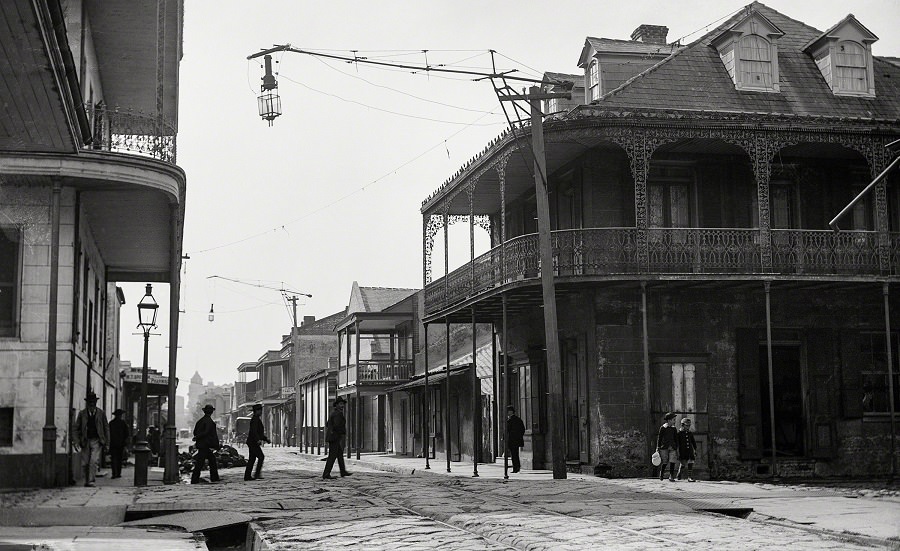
pixel 119 433
pixel 256 435
pixel 687 449
pixel 335 430
pixel 207 438
pixel 667 446
pixel 89 436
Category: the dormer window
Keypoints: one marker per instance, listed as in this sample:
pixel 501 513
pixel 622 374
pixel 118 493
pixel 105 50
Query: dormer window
pixel 594 81
pixel 843 54
pixel 755 63
pixel 749 52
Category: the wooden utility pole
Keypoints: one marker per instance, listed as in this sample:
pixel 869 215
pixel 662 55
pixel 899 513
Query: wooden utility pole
pixel 295 356
pixel 555 421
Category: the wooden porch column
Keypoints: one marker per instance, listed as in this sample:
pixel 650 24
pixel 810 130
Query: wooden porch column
pixel 647 380
pixel 447 398
pixel 767 286
pixel 426 403
pixel 49 432
pixel 171 474
pixel 890 366
pixel 505 389
pixel 495 406
pixel 358 403
pixel 476 403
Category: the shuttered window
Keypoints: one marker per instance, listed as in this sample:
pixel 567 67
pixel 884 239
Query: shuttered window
pixel 10 257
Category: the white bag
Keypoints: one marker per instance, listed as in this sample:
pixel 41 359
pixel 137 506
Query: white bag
pixel 656 459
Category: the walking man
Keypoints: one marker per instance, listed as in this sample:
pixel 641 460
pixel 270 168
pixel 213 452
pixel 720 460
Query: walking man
pixel 335 431
pixel 90 436
pixel 257 434
pixel 119 433
pixel 207 439
pixel 515 436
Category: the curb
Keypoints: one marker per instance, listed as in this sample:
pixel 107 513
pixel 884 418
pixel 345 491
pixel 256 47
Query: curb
pixel 871 541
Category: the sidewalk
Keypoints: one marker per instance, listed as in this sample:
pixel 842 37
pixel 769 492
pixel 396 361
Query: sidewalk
pixel 872 516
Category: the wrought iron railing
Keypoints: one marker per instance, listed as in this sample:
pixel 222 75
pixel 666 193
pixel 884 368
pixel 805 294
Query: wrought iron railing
pixel 127 131
pixel 375 371
pixel 825 252
pixel 607 251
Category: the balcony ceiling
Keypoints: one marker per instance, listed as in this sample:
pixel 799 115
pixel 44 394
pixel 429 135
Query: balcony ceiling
pixel 561 150
pixel 125 40
pixel 34 116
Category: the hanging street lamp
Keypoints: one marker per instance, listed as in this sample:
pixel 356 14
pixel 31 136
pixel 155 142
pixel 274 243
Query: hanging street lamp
pixel 269 100
pixel 147 309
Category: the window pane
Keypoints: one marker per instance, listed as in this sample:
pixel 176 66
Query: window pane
pixel 754 48
pixel 678 207
pixel 655 210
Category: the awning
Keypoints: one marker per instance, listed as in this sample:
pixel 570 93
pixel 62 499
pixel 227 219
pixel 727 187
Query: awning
pixel 433 378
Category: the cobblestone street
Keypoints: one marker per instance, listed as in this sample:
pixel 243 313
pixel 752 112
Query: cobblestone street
pixel 293 508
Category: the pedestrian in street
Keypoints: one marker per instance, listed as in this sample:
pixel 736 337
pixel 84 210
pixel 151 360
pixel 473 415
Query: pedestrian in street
pixel 119 434
pixel 256 435
pixel 335 431
pixel 687 450
pixel 515 437
pixel 206 438
pixel 667 446
pixel 89 436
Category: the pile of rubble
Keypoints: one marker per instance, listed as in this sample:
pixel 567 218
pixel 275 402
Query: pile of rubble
pixel 226 457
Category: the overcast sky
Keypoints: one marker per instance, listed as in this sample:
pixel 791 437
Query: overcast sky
pixel 330 194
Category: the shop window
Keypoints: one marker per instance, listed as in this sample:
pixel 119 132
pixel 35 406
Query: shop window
pixel 10 270
pixel 874 375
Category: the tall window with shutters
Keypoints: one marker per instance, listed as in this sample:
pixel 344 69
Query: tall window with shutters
pixel 10 270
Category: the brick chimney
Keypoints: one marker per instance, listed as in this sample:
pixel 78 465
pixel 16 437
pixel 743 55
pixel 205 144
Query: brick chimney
pixel 650 34
pixel 307 319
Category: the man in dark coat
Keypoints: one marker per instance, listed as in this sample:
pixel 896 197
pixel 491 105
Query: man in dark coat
pixel 256 435
pixel 89 436
pixel 119 433
pixel 335 431
pixel 206 438
pixel 515 436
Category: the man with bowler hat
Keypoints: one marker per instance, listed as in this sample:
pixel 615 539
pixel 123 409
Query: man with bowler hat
pixel 256 435
pixel 207 439
pixel 335 431
pixel 119 433
pixel 515 434
pixel 90 435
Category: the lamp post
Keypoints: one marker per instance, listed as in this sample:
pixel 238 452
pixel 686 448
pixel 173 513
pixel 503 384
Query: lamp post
pixel 147 308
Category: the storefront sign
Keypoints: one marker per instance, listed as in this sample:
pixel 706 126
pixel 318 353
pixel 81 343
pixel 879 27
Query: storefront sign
pixel 287 391
pixel 135 377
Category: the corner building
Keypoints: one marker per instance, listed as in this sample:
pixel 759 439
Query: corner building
pixel 690 199
pixel 90 196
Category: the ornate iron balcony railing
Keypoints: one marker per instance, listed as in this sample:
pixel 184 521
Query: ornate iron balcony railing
pixel 127 131
pixel 375 371
pixel 610 251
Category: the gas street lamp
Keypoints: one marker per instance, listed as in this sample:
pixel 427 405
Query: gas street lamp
pixel 147 309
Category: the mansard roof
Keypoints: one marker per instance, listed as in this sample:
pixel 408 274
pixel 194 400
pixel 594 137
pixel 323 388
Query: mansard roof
pixel 694 79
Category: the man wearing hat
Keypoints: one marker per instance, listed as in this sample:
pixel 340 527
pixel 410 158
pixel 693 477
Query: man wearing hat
pixel 515 436
pixel 119 433
pixel 206 438
pixel 256 435
pixel 335 430
pixel 89 436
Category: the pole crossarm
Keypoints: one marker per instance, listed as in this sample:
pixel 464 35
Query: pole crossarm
pixel 427 68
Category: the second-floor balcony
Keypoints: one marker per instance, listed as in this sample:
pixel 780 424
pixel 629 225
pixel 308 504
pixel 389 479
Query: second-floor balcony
pixel 128 131
pixel 598 252
pixel 374 372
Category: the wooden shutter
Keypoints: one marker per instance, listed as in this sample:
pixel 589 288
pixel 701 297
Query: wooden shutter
pixel 749 406
pixel 851 360
pixel 821 376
